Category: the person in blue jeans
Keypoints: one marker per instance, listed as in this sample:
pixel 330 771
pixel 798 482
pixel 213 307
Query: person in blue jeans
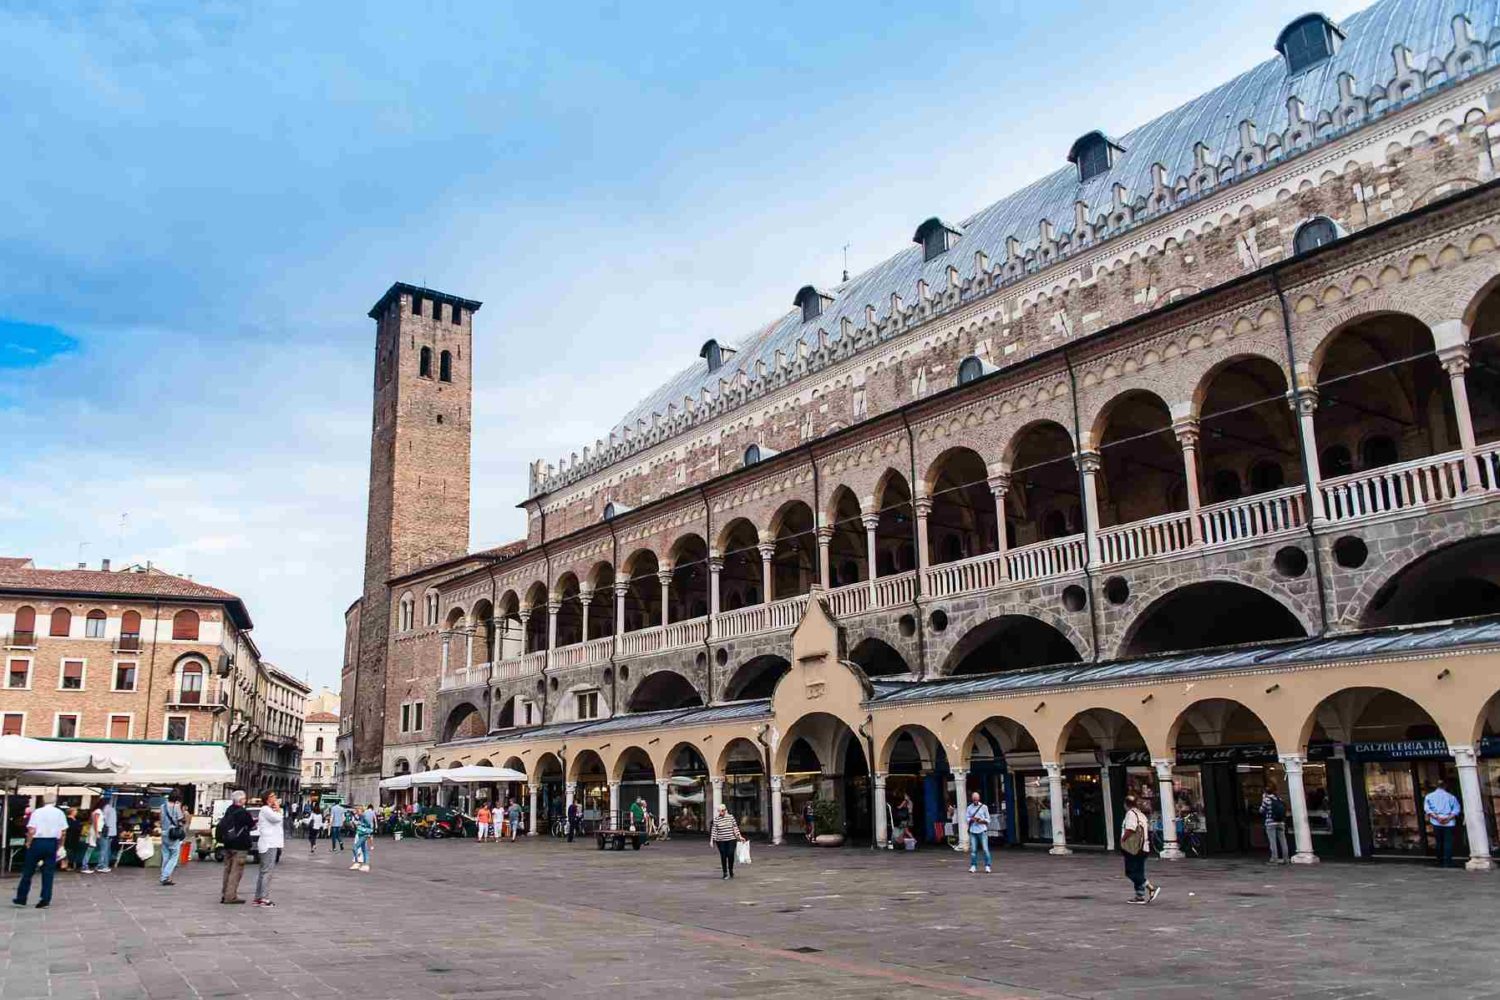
pixel 977 819
pixel 173 825
pixel 44 831
pixel 110 820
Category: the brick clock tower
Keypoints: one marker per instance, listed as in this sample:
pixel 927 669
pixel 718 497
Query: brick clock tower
pixel 419 490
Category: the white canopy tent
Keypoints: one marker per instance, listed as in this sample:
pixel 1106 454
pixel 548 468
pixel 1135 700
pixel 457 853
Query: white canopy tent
pixel 21 757
pixel 399 783
pixel 153 763
pixel 479 774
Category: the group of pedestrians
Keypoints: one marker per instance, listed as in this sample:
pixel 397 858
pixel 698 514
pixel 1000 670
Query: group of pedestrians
pixel 493 823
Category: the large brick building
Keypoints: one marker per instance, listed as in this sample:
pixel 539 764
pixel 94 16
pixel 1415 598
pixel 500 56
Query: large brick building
pixel 1228 379
pixel 140 654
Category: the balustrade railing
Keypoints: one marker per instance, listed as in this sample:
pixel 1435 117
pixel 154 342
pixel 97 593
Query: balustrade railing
pixel 1254 517
pixel 1155 536
pixel 1040 560
pixel 1487 457
pixel 521 666
pixel 850 600
pixel 570 655
pixel 982 572
pixel 893 590
pixel 1394 488
pixel 685 633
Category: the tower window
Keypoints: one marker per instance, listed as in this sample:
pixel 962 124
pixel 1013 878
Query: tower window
pixel 1307 41
pixel 1314 233
pixel 416 305
pixel 972 368
pixel 424 366
pixel 445 367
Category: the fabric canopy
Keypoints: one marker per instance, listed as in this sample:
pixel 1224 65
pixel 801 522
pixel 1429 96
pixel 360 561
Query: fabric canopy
pixel 427 778
pixel 479 774
pixel 22 753
pixel 399 783
pixel 145 763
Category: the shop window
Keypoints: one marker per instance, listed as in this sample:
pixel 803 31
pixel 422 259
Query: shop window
pixel 177 728
pixel 19 674
pixel 119 727
pixel 72 675
pixel 66 727
pixel 94 625
pixel 124 677
pixel 62 622
pixel 25 631
pixel 13 724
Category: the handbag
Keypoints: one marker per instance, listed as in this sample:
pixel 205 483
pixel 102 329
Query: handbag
pixel 742 852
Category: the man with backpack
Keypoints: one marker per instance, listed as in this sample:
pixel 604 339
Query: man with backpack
pixel 236 832
pixel 1273 814
pixel 1135 833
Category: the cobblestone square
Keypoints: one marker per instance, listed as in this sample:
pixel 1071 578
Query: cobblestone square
pixel 543 918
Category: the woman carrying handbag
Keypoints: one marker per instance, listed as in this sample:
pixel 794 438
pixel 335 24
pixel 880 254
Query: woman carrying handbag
pixel 725 835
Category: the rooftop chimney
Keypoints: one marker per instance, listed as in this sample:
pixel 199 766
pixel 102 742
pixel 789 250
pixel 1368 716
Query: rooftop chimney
pixel 104 565
pixel 83 565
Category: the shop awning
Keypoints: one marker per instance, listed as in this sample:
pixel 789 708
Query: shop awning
pixel 480 774
pixel 20 754
pixel 147 762
pixel 399 783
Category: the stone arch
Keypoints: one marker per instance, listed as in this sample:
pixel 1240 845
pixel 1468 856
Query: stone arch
pixel 1371 713
pixel 827 735
pixel 738 747
pixel 567 592
pixel 1099 729
pixel 878 658
pixel 401 766
pixel 587 762
pixel 1487 724
pixel 687 560
pixel 756 677
pixel 628 756
pixel 464 721
pixel 1107 410
pixel 848 549
pixel 1450 579
pixel 1001 735
pixel 1218 722
pixel 741 580
pixel 895 544
pixel 1042 501
pixel 794 563
pixel 661 690
pixel 1347 320
pixel 961 509
pixel 1480 288
pixel 643 607
pixel 1208 613
pixel 929 745
pixel 517 764
pixel 1015 641
pixel 1246 432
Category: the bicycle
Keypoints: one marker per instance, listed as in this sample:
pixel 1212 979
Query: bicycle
pixel 559 826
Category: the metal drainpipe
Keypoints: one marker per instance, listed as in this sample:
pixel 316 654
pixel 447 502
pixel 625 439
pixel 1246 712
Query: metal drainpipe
pixel 151 666
pixel 1291 358
pixel 1083 506
pixel 547 561
pixel 864 730
pixel 617 627
pixel 916 541
pixel 713 613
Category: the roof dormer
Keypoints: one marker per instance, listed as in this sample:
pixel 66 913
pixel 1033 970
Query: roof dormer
pixel 936 237
pixel 1093 154
pixel 811 301
pixel 1307 41
pixel 715 354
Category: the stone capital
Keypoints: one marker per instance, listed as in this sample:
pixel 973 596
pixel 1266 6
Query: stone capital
pixel 870 521
pixel 776 780
pixel 825 534
pixel 1292 762
pixel 767 550
pixel 664 577
pixel 622 590
pixel 1187 432
pixel 1464 754
pixel 716 782
pixel 1000 484
pixel 585 594
pixel 1455 359
pixel 1163 766
pixel 553 607
pixel 1303 400
pixel 664 783
pixel 922 505
pixel 716 564
pixel 1088 462
pixel 1054 770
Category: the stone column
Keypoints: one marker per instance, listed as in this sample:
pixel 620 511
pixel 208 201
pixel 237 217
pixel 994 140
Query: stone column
pixel 661 801
pixel 468 647
pixel 621 590
pixel 447 637
pixel 882 832
pixel 1455 362
pixel 1000 486
pixel 1466 759
pixel 776 829
pixel 1167 803
pixel 871 522
pixel 1059 811
pixel 1303 854
pixel 1089 464
pixel 570 795
pixel 536 818
pixel 961 803
pixel 1109 808
pixel 825 545
pixel 1187 437
pixel 718 784
pixel 553 607
pixel 525 618
pixel 585 597
pixel 664 577
pixel 767 571
pixel 1304 403
pixel 614 801
pixel 923 507
pixel 715 567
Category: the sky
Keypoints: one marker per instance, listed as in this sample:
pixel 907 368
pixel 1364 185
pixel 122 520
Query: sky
pixel 202 200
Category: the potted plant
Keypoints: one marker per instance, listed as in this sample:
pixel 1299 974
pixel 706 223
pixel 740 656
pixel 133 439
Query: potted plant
pixel 828 825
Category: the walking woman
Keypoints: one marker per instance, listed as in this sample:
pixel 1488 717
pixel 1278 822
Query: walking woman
pixel 726 836
pixel 272 840
pixel 1134 843
pixel 314 827
pixel 364 829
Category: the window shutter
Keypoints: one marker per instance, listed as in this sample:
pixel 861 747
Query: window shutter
pixel 119 727
pixel 26 619
pixel 185 625
pixel 62 622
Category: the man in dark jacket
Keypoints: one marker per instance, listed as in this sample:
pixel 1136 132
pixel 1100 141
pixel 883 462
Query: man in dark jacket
pixel 234 833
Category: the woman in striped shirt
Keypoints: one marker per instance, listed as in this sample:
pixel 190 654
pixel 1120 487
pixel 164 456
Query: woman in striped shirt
pixel 725 834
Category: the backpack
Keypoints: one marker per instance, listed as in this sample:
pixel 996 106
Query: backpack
pixel 1278 810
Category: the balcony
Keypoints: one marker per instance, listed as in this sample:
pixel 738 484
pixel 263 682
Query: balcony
pixel 128 643
pixel 21 639
pixel 1393 490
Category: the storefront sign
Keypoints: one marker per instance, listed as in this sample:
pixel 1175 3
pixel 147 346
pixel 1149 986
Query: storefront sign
pixel 1489 746
pixel 1398 750
pixel 1242 753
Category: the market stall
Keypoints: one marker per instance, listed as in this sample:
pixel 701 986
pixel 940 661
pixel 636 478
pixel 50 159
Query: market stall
pixel 21 757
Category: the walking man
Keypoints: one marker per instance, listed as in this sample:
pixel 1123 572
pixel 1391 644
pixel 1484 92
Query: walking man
pixel 272 840
pixel 1135 839
pixel 575 817
pixel 1273 814
pixel 1442 811
pixel 234 832
pixel 109 820
pixel 977 818
pixel 514 813
pixel 336 819
pixel 173 825
pixel 45 828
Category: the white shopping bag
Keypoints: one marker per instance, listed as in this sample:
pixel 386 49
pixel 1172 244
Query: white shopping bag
pixel 145 847
pixel 742 852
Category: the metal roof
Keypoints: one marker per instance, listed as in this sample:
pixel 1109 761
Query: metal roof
pixel 1353 646
pixel 679 717
pixel 1259 95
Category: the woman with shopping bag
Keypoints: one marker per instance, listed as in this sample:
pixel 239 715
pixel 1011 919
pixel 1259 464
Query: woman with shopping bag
pixel 726 836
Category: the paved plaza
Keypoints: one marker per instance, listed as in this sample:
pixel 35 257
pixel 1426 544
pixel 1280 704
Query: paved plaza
pixel 543 918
